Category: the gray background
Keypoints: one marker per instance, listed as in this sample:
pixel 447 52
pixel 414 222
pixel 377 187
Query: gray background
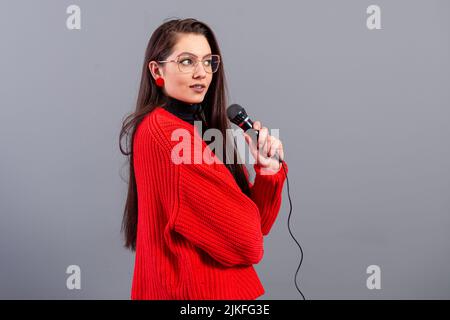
pixel 363 115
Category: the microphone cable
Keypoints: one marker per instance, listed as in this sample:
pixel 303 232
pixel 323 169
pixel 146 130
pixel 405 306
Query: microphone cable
pixel 289 218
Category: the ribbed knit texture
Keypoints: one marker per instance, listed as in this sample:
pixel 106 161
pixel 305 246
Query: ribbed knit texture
pixel 198 234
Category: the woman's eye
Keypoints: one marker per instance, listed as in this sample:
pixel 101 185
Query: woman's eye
pixel 184 61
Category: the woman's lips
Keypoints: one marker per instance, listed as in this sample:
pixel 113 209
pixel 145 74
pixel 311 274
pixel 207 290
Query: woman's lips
pixel 197 89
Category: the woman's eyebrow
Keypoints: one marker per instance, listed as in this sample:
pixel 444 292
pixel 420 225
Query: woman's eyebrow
pixel 194 54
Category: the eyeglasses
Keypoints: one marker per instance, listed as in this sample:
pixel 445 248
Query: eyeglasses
pixel 188 63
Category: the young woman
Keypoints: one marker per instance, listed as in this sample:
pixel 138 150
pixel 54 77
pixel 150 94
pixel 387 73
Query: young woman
pixel 196 228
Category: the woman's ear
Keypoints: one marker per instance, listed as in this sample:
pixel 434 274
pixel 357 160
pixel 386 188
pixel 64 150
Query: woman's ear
pixel 155 70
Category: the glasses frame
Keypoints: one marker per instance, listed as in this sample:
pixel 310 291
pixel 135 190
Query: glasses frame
pixel 195 64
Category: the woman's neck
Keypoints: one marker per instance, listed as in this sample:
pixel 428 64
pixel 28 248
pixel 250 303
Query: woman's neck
pixel 189 112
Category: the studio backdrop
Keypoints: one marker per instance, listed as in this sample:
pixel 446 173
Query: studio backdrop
pixel 359 91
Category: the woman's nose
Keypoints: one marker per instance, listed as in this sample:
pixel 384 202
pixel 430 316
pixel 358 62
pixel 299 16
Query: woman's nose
pixel 199 69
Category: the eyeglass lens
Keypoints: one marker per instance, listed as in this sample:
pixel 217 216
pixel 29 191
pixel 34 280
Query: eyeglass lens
pixel 187 63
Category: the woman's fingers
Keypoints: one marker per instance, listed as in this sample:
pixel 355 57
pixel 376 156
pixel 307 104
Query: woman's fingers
pixel 266 147
pixel 262 143
pixel 274 145
pixel 257 154
pixel 270 141
pixel 251 144
pixel 257 125
pixel 281 151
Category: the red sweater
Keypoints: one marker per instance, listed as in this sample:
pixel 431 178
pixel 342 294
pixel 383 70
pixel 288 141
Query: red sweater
pixel 198 234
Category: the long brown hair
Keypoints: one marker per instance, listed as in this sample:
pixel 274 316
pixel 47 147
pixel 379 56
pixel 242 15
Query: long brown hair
pixel 150 96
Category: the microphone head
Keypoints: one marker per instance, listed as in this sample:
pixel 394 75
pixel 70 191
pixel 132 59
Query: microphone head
pixel 233 110
pixel 237 114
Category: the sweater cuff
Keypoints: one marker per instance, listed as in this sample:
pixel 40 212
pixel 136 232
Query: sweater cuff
pixel 280 174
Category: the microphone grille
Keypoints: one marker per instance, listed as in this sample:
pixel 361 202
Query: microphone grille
pixel 236 114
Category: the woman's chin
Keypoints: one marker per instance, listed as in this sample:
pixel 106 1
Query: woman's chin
pixel 195 100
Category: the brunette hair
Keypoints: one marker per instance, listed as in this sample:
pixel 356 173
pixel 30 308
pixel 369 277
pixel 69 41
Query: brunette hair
pixel 150 96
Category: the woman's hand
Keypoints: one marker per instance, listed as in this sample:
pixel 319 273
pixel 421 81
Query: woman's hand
pixel 267 147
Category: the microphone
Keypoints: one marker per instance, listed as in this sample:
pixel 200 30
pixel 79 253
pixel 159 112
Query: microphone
pixel 239 117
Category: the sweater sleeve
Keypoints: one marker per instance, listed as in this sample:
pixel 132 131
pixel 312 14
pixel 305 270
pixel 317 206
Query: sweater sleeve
pixel 266 192
pixel 216 216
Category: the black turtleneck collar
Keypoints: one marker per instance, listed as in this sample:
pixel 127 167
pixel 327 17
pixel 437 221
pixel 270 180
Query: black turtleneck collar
pixel 188 112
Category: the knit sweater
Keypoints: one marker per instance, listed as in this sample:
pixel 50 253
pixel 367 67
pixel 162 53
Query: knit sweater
pixel 198 234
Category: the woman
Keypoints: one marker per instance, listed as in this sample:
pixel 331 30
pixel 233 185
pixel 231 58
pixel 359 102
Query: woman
pixel 197 229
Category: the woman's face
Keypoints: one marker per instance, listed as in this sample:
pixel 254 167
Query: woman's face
pixel 177 84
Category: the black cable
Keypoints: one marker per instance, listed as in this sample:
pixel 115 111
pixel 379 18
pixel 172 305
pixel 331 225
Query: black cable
pixel 289 217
